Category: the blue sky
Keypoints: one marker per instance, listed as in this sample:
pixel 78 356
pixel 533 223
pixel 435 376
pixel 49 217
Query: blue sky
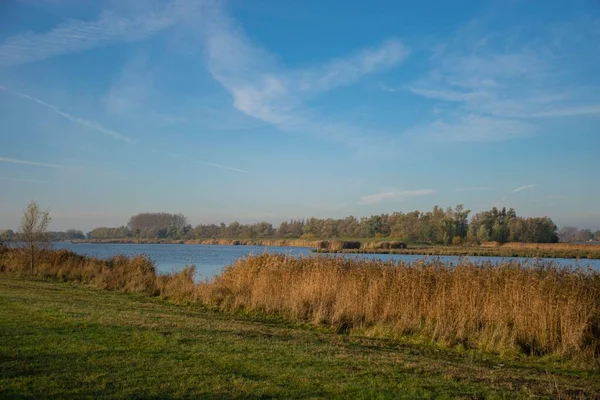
pixel 269 110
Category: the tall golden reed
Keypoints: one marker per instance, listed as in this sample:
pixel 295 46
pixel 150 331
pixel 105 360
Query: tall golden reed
pixel 504 308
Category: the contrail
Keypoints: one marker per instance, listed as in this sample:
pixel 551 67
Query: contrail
pixel 96 126
pixel 89 124
pixel 6 178
pixel 33 163
pixel 523 188
pixel 212 164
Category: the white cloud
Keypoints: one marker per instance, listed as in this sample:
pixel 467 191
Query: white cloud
pixel 519 189
pixel 32 163
pixel 499 85
pixel 449 95
pixel 344 71
pixel 133 88
pixel 569 111
pixel 264 90
pixel 473 128
pixel 75 35
pixel 394 195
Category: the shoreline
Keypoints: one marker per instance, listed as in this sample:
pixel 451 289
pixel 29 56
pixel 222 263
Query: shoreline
pixel 475 252
pixel 524 250
pixel 214 242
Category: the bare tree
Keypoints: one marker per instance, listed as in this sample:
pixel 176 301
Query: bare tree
pixel 34 232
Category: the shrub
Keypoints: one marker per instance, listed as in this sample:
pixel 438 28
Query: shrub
pixel 456 240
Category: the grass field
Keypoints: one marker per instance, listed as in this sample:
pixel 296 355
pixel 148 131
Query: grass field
pixel 65 341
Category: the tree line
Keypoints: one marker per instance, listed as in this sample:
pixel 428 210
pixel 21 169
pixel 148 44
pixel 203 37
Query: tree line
pixel 438 226
pixel 570 234
pixel 9 235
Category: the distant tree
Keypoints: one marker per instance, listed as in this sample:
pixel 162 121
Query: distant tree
pixel 573 235
pixel 157 225
pixel 71 234
pixel 109 233
pixel 541 230
pixel 482 234
pixel 597 236
pixel 461 224
pixel 6 236
pixel 34 232
pixel 292 229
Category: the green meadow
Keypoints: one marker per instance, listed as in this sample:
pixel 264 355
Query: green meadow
pixel 59 340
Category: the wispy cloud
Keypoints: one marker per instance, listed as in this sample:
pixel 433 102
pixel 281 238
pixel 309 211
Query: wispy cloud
pixel 98 127
pixel 227 167
pixel 6 178
pixel 519 189
pixel 266 91
pixel 75 35
pixel 87 123
pixel 193 160
pixel 474 189
pixel 472 128
pixel 500 85
pixel 32 163
pixel 394 195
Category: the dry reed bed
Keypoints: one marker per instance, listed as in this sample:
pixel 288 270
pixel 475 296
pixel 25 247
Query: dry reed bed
pixel 503 308
pixel 509 308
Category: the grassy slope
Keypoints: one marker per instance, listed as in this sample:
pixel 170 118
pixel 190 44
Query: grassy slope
pixel 58 340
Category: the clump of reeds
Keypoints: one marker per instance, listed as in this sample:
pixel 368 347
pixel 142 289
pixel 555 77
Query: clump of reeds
pixel 121 273
pixel 509 307
pixel 178 286
pixel 334 245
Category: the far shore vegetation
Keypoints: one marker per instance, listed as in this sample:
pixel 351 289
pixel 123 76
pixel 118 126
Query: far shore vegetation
pixel 450 226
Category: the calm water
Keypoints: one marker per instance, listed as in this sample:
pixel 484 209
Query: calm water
pixel 210 260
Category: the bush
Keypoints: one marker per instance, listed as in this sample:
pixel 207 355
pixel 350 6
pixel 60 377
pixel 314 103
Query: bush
pixel 456 240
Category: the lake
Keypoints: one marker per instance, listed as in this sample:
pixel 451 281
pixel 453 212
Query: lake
pixel 210 259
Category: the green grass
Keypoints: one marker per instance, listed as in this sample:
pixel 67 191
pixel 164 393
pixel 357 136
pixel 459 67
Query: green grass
pixel 65 341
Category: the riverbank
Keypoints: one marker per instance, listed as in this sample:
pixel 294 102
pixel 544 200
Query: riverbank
pixel 588 252
pixel 508 308
pixel 214 242
pixel 65 341
pixel 369 246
